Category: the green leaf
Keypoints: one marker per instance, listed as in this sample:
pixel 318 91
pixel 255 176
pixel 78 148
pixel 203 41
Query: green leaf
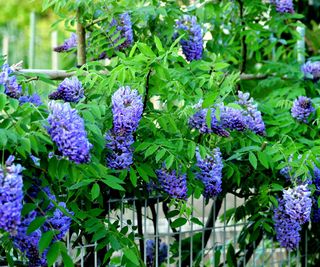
pixel 45 240
pixel 262 156
pixel 53 253
pixel 95 191
pixel 253 160
pixel 35 224
pixel 160 154
pixel 67 261
pixel 191 149
pixel 131 256
pixel 3 138
pixel 169 161
pixel 151 150
pixel 80 184
pixel 3 99
pixel 158 44
pixel 146 50
pixel 178 222
pixel 231 259
pixel 113 182
pixel 133 177
pixel 196 221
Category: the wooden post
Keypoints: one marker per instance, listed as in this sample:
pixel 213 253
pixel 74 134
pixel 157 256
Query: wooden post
pixel 81 46
pixel 32 41
pixel 54 55
pixel 5 46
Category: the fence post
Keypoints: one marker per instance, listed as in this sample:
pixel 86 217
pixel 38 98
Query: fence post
pixel 32 40
pixel 54 55
pixel 5 46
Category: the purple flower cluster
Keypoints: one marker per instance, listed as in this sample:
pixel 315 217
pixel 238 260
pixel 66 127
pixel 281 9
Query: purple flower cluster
pixel 232 118
pixel 251 113
pixel 287 230
pixel 284 6
pixel 29 243
pixel 68 44
pixel 302 108
pixel 11 196
pixel 124 30
pixel 174 184
pixel 294 210
pixel 68 132
pixel 210 172
pixel 151 252
pixel 192 45
pixel 315 208
pixel 298 203
pixel 311 70
pixel 198 121
pixel 33 99
pixel 285 171
pixel 127 108
pixel 9 81
pixel 69 90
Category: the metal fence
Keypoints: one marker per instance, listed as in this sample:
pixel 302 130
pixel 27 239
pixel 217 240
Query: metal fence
pixel 216 235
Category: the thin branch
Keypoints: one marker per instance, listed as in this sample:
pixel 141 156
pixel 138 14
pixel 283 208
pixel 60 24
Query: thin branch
pixel 147 89
pixel 96 21
pixel 140 229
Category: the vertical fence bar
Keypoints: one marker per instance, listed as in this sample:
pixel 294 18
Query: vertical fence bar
pixel 32 42
pixel 5 46
pixel 191 236
pixel 54 55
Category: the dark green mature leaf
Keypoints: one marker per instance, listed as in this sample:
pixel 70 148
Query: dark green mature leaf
pixel 178 222
pixel 95 191
pixel 45 240
pixel 253 160
pixel 36 224
pixel 53 253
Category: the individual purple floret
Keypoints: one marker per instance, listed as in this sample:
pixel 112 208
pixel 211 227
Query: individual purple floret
pixel 284 6
pixel 151 252
pixel 192 43
pixel 210 172
pixel 29 243
pixel 175 185
pixel 120 154
pixel 59 221
pixel 33 99
pixel 9 81
pixel 11 196
pixel 302 108
pixel 198 121
pixel 287 230
pixel 311 70
pixel 68 132
pixel 298 203
pixel 232 118
pixel 69 90
pixel 127 108
pixel 253 116
pixel 68 44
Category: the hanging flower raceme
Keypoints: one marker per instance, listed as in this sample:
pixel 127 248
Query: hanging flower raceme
pixel 69 90
pixel 68 132
pixel 11 196
pixel 127 108
pixel 173 183
pixel 315 214
pixel 121 152
pixel 124 28
pixel 311 70
pixel 9 81
pixel 232 118
pixel 151 252
pixel 253 116
pixel 29 243
pixel 287 230
pixel 298 203
pixel 192 43
pixel 68 44
pixel 302 109
pixel 199 121
pixel 59 221
pixel 284 6
pixel 210 172
pixel 33 99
